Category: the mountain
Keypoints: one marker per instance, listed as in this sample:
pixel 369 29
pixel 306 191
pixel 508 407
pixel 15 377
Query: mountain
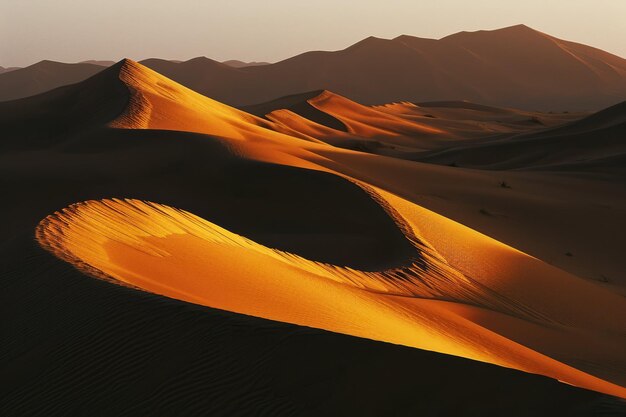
pixel 511 67
pixel 292 229
pixel 498 67
pixel 8 69
pixel 97 62
pixel 42 76
pixel 240 64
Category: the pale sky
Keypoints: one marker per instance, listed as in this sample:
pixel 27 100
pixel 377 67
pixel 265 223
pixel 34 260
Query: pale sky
pixel 271 30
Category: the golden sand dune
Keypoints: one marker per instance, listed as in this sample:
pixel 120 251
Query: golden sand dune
pixel 157 103
pixel 457 291
pixel 397 129
pixel 366 121
pixel 174 253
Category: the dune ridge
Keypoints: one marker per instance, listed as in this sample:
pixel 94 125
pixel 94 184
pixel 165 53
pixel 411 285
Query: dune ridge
pixel 427 275
pixel 399 129
pixel 113 237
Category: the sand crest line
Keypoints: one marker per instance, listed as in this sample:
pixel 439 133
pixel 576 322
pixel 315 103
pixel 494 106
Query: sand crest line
pixel 426 275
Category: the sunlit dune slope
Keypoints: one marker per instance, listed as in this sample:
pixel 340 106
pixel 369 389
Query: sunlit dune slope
pixel 486 317
pixel 397 128
pixel 130 95
pixel 361 122
pixel 156 102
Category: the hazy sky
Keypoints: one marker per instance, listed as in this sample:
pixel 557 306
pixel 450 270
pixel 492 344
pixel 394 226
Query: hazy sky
pixel 271 30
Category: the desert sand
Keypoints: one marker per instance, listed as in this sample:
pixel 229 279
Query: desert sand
pixel 268 220
pixel 502 313
pixel 398 129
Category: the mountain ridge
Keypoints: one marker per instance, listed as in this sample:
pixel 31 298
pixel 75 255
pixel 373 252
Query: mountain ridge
pixel 515 66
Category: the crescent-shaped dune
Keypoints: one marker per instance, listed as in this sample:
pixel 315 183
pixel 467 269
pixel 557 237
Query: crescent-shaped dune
pixel 429 304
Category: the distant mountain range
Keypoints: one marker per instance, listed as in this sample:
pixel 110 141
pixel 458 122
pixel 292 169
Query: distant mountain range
pixel 516 66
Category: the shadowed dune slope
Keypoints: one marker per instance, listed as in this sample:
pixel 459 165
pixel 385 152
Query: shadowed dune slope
pixel 126 95
pixel 100 348
pixel 594 143
pixel 299 104
pixel 129 95
pixel 90 104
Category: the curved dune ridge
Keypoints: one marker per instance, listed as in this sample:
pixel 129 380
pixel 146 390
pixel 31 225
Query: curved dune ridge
pixel 396 128
pixel 427 275
pixel 359 120
pixel 171 252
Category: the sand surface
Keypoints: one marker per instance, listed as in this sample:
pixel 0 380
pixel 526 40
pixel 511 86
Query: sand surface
pixel 157 188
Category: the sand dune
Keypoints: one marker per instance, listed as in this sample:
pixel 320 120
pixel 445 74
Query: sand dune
pixel 461 195
pixel 594 143
pixel 166 251
pixel 498 314
pixel 263 217
pixel 93 345
pixel 512 67
pixel 398 129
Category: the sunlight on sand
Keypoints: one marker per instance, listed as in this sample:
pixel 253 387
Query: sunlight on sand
pixel 459 292
pixel 174 253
